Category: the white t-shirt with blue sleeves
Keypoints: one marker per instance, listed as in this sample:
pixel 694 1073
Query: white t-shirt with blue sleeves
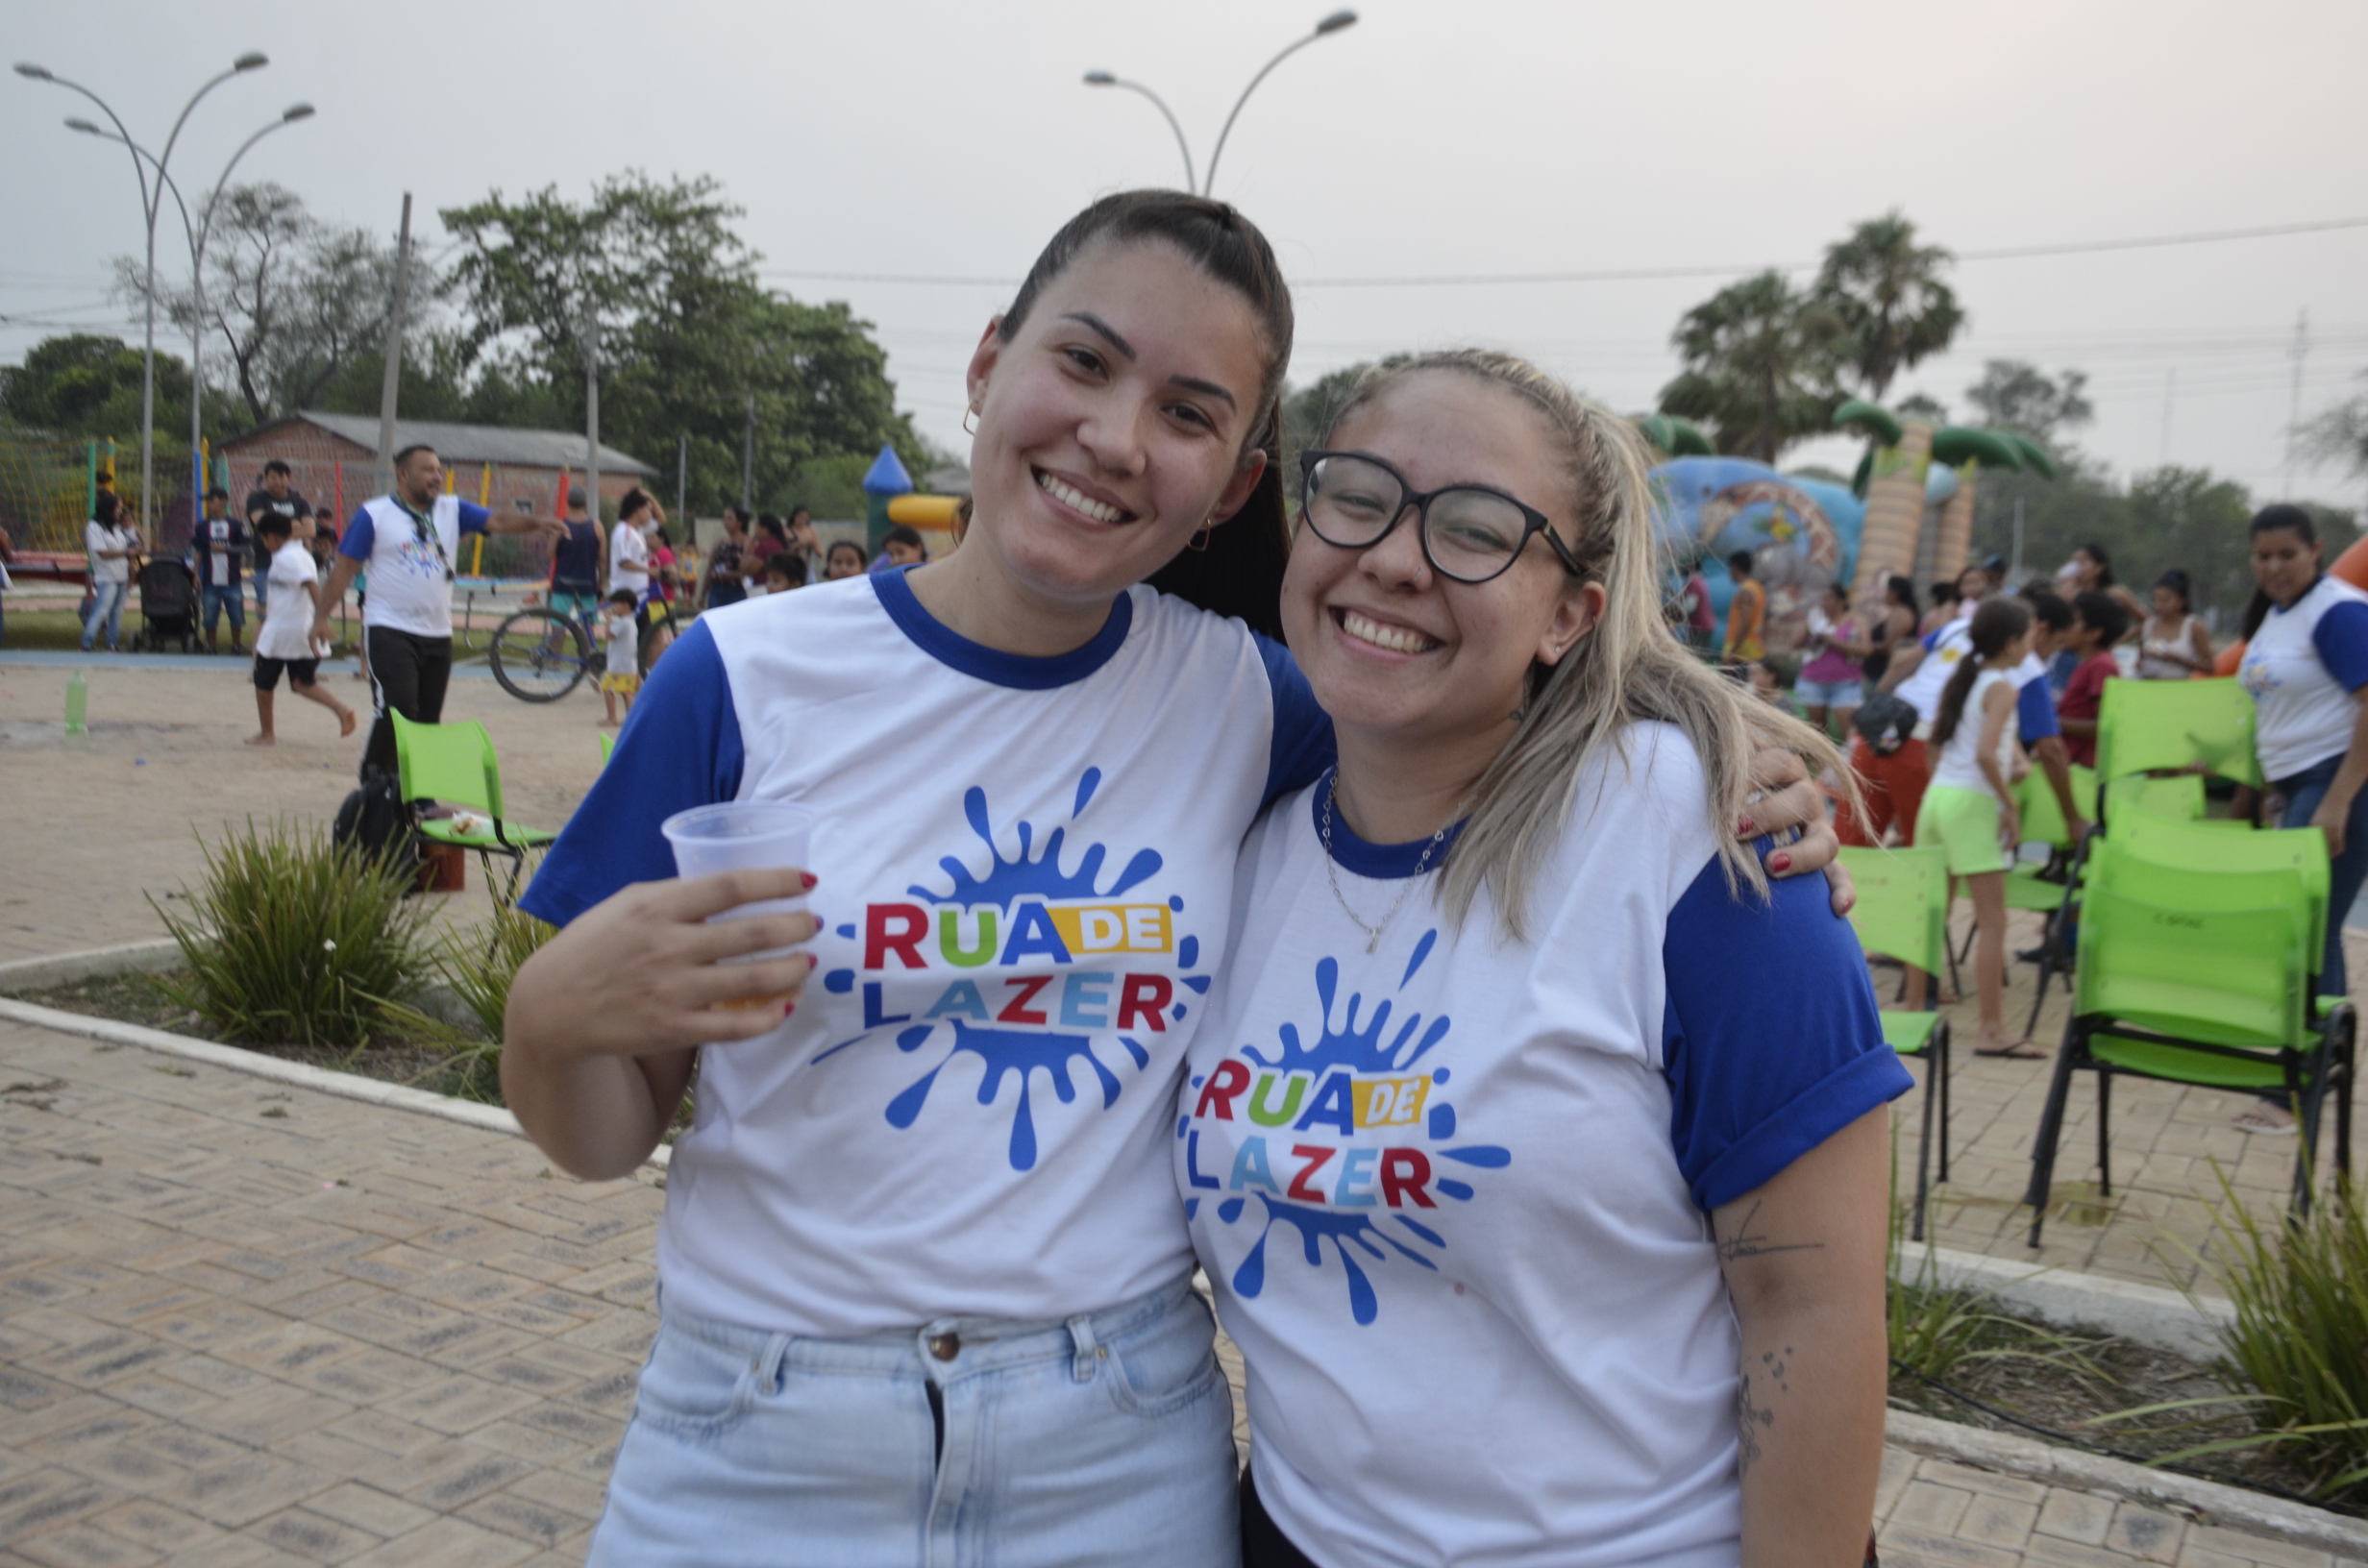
pixel 2303 668
pixel 410 566
pixel 1453 1195
pixel 1025 869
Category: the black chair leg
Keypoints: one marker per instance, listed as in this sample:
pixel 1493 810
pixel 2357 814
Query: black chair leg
pixel 1940 1048
pixel 1924 1147
pixel 2051 1128
pixel 2105 1133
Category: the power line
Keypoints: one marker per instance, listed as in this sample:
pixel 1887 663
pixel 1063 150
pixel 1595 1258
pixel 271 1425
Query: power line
pixel 1618 275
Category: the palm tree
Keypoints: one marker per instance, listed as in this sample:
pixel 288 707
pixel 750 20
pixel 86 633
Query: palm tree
pixel 1759 366
pixel 1884 292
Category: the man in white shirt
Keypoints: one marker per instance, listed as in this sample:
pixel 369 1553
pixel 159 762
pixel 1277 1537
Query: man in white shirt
pixel 408 540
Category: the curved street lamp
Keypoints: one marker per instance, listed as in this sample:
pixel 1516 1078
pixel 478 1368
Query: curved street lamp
pixel 1103 79
pixel 151 203
pixel 1338 21
pixel 197 234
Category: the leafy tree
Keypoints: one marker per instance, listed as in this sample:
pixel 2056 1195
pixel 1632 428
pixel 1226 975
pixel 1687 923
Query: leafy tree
pixel 687 335
pixel 1922 406
pixel 1308 412
pixel 1885 294
pixel 1759 366
pixel 2018 396
pixel 293 301
pixel 83 386
pixel 2340 434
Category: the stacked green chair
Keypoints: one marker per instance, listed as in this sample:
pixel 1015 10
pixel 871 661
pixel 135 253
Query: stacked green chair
pixel 2198 951
pixel 456 764
pixel 2146 726
pixel 1902 911
pixel 609 745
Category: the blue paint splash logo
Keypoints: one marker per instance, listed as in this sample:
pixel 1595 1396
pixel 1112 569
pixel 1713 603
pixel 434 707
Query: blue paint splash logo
pixel 1356 1240
pixel 1021 1053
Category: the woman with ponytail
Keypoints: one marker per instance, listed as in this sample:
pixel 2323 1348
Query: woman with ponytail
pixel 1535 1130
pixel 1969 805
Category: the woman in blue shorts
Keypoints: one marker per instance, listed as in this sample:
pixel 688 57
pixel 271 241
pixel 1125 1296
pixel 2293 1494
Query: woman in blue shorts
pixel 912 1309
pixel 1537 1147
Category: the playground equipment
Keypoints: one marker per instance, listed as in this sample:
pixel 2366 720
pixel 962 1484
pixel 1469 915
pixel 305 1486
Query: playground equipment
pixel 1803 533
pixel 886 481
pixel 932 515
pixel 1895 478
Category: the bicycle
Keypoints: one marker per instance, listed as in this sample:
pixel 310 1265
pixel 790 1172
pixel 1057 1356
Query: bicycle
pixel 540 654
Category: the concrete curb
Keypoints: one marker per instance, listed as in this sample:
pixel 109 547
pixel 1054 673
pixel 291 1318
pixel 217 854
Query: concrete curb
pixel 2149 1314
pixel 349 1085
pixel 2229 1508
pixel 65 969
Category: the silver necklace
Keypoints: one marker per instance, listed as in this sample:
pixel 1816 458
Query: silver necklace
pixel 1331 866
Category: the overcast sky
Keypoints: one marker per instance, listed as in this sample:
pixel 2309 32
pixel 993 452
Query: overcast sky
pixel 948 139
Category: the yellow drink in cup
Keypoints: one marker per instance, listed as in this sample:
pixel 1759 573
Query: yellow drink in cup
pixel 743 836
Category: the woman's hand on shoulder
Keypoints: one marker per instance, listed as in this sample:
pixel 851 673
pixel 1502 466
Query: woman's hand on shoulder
pixel 642 972
pixel 1785 798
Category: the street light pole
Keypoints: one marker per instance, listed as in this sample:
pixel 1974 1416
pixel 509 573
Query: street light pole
pixel 1338 21
pixel 152 200
pixel 1103 79
pixel 197 235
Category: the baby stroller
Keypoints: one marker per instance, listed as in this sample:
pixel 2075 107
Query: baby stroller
pixel 168 605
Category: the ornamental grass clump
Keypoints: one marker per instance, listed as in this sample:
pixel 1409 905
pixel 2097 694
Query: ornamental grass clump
pixel 2299 1338
pixel 477 966
pixel 291 940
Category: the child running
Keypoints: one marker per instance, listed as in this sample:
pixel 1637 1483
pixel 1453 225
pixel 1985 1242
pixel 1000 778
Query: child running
pixel 621 678
pixel 1968 809
pixel 286 641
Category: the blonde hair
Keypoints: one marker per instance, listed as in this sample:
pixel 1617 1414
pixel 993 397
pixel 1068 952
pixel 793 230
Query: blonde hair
pixel 1628 669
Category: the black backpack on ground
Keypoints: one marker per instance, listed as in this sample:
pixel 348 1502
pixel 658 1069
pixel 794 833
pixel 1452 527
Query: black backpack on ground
pixel 376 820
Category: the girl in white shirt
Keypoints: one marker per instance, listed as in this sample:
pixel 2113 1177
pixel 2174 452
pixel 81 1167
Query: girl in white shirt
pixel 1534 1134
pixel 1969 805
pixel 110 544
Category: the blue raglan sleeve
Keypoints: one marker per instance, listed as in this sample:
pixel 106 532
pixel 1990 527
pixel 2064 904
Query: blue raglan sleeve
pixel 473 517
pixel 2341 638
pixel 2034 712
pixel 360 535
pixel 680 747
pixel 1769 1034
pixel 1302 748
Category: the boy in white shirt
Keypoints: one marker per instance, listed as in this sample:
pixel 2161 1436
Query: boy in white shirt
pixel 622 677
pixel 285 641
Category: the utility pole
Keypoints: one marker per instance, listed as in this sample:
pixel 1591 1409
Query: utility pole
pixel 392 382
pixel 683 470
pixel 2170 398
pixel 2014 573
pixel 747 463
pixel 2294 407
pixel 592 411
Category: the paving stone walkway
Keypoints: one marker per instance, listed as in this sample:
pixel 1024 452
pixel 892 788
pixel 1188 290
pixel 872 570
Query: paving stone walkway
pixel 244 1324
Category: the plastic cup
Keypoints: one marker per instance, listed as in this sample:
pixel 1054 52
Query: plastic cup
pixel 737 836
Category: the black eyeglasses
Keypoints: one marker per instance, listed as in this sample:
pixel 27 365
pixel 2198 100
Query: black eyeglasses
pixel 1469 533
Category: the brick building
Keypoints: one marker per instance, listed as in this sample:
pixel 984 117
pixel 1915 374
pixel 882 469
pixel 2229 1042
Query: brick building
pixel 334 457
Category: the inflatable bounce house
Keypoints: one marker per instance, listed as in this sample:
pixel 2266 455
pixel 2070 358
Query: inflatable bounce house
pixel 889 490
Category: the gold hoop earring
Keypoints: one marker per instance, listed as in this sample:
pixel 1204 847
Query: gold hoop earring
pixel 969 420
pixel 1199 542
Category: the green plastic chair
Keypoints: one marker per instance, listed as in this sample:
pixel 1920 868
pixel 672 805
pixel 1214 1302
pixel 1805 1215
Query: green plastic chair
pixel 609 745
pixel 455 763
pixel 2176 797
pixel 2199 846
pixel 2147 726
pixel 2199 976
pixel 1902 911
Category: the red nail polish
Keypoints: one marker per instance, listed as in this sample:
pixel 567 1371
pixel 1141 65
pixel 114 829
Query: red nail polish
pixel 788 1008
pixel 807 877
pixel 1747 828
pixel 1780 863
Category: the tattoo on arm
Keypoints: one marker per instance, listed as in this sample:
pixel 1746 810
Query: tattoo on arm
pixel 1751 1417
pixel 1743 1244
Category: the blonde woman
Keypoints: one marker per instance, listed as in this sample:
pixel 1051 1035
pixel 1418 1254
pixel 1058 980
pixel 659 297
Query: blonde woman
pixel 1537 1142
